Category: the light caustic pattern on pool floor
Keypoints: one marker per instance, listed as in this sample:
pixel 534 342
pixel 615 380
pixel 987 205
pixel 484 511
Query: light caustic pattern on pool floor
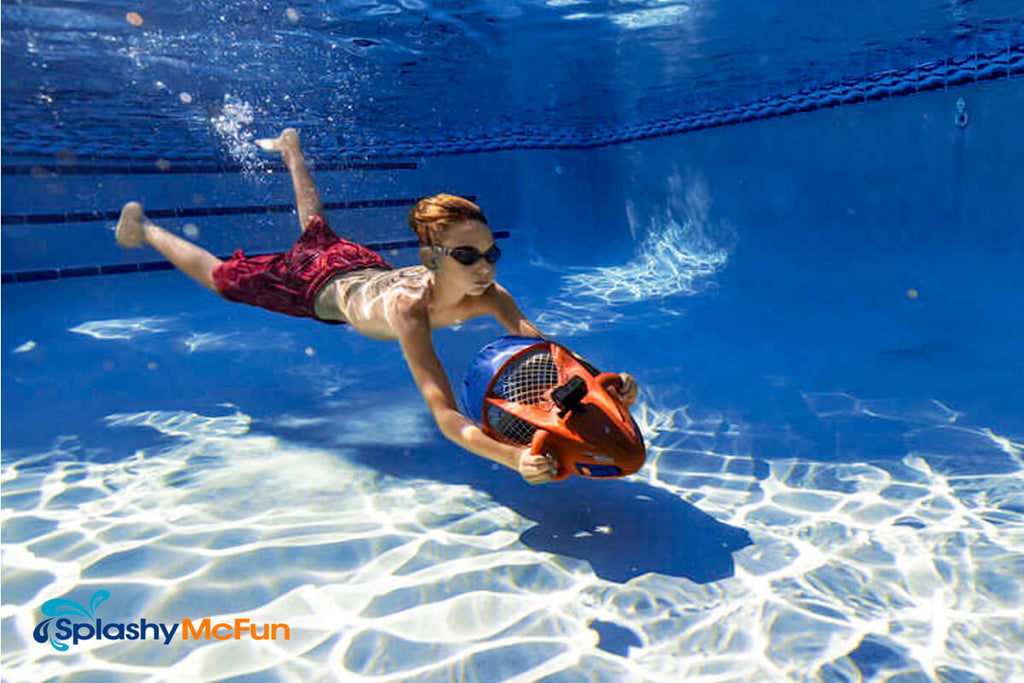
pixel 858 571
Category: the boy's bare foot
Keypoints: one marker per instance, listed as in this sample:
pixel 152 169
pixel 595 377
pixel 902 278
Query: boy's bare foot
pixel 129 226
pixel 286 144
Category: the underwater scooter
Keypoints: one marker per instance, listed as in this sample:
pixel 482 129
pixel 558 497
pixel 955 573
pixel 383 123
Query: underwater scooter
pixel 534 392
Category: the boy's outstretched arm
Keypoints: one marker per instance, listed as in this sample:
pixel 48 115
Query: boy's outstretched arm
pixel 413 328
pixel 505 309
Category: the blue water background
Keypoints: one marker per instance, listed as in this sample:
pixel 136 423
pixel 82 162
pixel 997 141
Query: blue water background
pixel 833 289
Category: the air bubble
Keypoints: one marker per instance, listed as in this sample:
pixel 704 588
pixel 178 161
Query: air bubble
pixel 191 231
pixel 231 125
pixel 185 97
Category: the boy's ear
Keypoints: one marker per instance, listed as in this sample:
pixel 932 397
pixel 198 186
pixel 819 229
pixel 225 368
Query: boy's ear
pixel 428 257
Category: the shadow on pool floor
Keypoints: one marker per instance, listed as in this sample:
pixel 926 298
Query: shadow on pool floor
pixel 622 528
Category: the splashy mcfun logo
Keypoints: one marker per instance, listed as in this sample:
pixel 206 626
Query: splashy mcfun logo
pixel 72 621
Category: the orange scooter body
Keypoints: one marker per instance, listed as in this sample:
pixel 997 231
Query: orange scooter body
pixel 577 420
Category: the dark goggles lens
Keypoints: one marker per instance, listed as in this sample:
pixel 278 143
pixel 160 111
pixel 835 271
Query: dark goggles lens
pixel 467 256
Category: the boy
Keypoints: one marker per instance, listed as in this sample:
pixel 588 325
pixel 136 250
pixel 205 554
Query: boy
pixel 337 281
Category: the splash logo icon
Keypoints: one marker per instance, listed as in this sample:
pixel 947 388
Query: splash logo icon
pixel 56 609
pixel 74 621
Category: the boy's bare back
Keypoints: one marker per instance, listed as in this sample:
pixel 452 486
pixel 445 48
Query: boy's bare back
pixel 371 300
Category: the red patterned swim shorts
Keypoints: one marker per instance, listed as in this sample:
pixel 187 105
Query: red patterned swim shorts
pixel 290 282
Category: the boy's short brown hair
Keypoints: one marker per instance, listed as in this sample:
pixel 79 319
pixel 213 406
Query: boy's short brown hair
pixel 432 215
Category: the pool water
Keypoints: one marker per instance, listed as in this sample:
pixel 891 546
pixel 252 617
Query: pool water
pixel 821 310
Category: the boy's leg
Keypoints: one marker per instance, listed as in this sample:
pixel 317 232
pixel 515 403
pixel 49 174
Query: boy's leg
pixel 134 229
pixel 306 197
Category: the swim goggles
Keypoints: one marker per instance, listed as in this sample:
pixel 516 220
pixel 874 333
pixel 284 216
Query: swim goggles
pixel 467 256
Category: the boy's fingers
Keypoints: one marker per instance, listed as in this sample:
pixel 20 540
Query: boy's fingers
pixel 538 468
pixel 541 473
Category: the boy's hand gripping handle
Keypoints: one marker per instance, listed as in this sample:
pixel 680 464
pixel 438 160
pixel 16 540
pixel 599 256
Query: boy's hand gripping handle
pixel 543 443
